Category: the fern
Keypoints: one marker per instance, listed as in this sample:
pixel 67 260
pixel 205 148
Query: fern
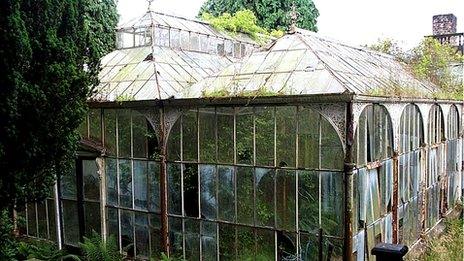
pixel 95 249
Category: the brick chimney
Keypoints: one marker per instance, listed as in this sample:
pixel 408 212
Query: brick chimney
pixel 444 24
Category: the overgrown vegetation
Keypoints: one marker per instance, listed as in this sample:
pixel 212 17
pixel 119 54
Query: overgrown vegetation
pixel 429 61
pixel 271 14
pixel 448 246
pixel 95 249
pixel 243 21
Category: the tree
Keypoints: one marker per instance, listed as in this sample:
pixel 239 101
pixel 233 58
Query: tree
pixel 271 14
pixel 49 59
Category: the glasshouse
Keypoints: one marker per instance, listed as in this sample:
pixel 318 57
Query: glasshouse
pixel 210 146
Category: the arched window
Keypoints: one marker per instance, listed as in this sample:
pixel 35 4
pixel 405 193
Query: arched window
pixel 435 126
pixel 453 158
pixel 409 169
pixel 453 123
pixel 374 135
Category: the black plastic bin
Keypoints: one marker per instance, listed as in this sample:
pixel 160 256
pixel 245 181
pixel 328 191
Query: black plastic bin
pixel 390 252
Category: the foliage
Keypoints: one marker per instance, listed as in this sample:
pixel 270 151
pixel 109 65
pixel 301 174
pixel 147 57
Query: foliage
pixel 448 246
pixel 389 46
pixel 42 250
pixel 95 249
pixel 431 60
pixel 271 14
pixel 243 21
pixel 49 61
pixel 8 244
pixel 164 257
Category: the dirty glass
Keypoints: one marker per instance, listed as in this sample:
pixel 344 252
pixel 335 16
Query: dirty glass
pixel 139 135
pixel 153 186
pixel 42 220
pixel 124 133
pixel 245 195
pixel 174 189
pixel 109 117
pixel 265 196
pixel 225 133
pixel 227 242
pixel 332 156
pixel 244 136
pixel 332 203
pixel 51 219
pixel 308 138
pixel 265 244
pixel 176 237
pixel 191 190
pixel 70 222
pixel 91 180
pixel 173 143
pixel 226 193
pixel 332 249
pixel 95 125
pixel 125 183
pixel 286 136
pixel 68 184
pixel 245 243
pixel 286 246
pixel 208 188
pixel 207 135
pixel 92 217
pixel 309 247
pixel 208 241
pixel 308 200
pixel 264 137
pixel 127 231
pixel 285 199
pixel 155 232
pixel 192 239
pixel 111 181
pixel 142 245
pixel 140 184
pixel 189 136
pixel 112 223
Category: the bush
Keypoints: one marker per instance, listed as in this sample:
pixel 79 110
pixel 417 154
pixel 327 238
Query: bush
pixel 8 244
pixel 95 249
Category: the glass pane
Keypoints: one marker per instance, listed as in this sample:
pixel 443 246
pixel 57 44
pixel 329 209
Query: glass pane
pixel 139 134
pixel 127 232
pixel 286 136
pixel 264 180
pixel 332 156
pixel 227 243
pixel 92 218
pixel 31 220
pixel 207 135
pixel 308 140
pixel 142 246
pixel 68 184
pixel 70 222
pixel 51 219
pixel 176 238
pixel 109 117
pixel 286 199
pixel 174 189
pixel 191 189
pixel 91 180
pixel 192 239
pixel 95 124
pixel 113 223
pixel 111 181
pixel 208 191
pixel 225 132
pixel 244 136
pixel 308 182
pixel 173 144
pixel 155 235
pixel 265 136
pixel 245 195
pixel 332 203
pixel 226 193
pixel 125 183
pixel 332 249
pixel 82 129
pixel 42 220
pixel 309 247
pixel 189 136
pixel 140 184
pixel 286 246
pixel 245 243
pixel 153 186
pixel 124 133
pixel 209 241
pixel 265 245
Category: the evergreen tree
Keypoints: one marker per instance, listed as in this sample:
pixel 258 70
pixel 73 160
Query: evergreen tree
pixel 49 59
pixel 271 14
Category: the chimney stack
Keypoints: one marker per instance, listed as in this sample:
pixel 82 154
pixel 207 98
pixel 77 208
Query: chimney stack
pixel 444 24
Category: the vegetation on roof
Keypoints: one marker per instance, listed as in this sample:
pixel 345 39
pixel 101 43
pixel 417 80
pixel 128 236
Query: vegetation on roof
pixel 429 61
pixel 243 21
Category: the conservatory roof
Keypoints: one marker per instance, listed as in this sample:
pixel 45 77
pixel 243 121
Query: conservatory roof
pixel 306 63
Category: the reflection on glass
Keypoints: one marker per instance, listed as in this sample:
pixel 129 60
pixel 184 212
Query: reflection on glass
pixel 111 181
pixel 264 180
pixel 285 199
pixel 125 183
pixel 91 180
pixel 226 193
pixel 245 195
pixel 308 200
pixel 140 184
pixel 331 203
pixel 208 191
pixel 286 136
pixel 264 123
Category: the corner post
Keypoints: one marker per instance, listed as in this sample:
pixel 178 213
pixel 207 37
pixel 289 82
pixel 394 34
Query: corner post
pixel 349 166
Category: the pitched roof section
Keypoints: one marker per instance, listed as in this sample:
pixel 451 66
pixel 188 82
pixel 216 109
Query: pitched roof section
pixel 305 63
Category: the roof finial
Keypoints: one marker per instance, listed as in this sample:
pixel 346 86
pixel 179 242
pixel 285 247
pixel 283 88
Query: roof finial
pixel 293 18
pixel 150 6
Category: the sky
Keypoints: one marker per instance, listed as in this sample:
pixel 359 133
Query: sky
pixel 357 22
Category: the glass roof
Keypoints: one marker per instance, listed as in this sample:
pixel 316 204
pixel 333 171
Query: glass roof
pixel 306 63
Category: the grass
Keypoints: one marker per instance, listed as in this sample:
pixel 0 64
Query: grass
pixel 449 246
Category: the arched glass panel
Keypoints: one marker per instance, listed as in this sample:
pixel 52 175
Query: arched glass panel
pixel 411 129
pixel 453 123
pixel 435 126
pixel 374 135
pixel 454 156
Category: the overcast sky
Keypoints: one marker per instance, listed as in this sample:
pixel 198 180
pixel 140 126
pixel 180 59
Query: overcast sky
pixel 354 21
